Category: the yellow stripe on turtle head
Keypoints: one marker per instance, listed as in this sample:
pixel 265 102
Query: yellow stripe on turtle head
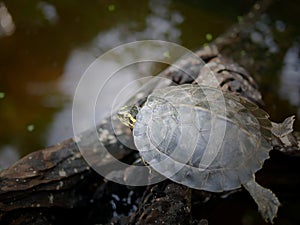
pixel 127 115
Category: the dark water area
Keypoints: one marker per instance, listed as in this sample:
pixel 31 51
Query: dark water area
pixel 45 47
pixel 52 43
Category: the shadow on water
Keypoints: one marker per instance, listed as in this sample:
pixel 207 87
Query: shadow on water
pixel 45 47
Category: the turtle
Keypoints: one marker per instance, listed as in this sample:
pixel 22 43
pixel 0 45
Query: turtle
pixel 206 139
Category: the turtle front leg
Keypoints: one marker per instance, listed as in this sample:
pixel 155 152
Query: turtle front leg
pixel 266 200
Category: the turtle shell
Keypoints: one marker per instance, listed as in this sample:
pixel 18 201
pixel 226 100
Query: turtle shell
pixel 202 137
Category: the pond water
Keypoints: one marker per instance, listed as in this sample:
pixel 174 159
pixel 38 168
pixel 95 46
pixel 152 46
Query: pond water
pixel 45 47
pixel 49 45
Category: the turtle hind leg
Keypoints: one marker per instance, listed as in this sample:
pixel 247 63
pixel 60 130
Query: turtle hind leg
pixel 284 128
pixel 284 139
pixel 265 199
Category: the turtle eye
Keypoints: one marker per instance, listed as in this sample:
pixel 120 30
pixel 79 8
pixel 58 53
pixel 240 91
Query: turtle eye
pixel 131 119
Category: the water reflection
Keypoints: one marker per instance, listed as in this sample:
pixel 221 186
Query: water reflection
pixel 8 155
pixel 7 26
pixel 263 35
pixel 290 76
pixel 161 23
pixel 49 11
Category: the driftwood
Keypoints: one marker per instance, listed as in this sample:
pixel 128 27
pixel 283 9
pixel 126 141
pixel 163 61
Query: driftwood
pixel 56 185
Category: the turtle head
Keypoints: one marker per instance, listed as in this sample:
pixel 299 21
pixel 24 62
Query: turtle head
pixel 127 115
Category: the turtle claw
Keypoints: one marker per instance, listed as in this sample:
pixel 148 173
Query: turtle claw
pixel 268 205
pixel 266 200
